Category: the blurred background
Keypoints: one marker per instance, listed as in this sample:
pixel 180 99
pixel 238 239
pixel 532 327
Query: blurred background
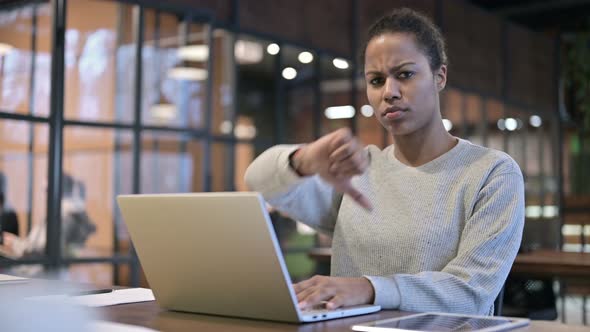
pixel 100 98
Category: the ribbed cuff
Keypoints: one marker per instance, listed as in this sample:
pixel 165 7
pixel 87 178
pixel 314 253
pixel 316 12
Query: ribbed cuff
pixel 386 292
pixel 287 175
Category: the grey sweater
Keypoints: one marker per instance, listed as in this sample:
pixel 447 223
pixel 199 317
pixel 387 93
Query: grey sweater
pixel 441 237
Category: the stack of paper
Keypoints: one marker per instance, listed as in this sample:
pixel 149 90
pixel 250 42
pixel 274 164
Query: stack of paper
pixel 8 279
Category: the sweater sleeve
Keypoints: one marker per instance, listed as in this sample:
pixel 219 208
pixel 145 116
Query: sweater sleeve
pixel 470 282
pixel 306 199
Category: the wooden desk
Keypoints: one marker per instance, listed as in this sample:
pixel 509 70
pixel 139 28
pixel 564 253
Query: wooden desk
pixel 149 314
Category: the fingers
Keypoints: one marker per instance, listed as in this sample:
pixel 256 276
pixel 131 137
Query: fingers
pixel 356 164
pixel 335 302
pixel 335 292
pixel 313 291
pixel 347 188
pixel 344 150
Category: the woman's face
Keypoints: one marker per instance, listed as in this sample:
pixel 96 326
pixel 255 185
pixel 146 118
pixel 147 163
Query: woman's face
pixel 401 87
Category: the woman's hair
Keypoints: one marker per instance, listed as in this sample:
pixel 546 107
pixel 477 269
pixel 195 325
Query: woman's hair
pixel 405 20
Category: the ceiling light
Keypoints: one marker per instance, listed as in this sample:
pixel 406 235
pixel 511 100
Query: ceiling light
pixel 367 111
pixel 289 73
pixel 511 124
pixel 273 49
pixel 193 53
pixel 164 111
pixel 535 121
pixel 501 124
pixel 187 74
pixel 225 127
pixel 5 48
pixel 305 57
pixel 448 124
pixel 248 52
pixel 245 131
pixel 340 63
pixel 339 112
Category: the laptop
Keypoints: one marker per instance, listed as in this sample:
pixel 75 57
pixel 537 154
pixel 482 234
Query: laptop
pixel 216 253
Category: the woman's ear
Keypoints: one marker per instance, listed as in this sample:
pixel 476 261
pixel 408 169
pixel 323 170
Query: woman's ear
pixel 440 77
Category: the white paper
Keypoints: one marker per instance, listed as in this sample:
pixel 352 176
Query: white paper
pixel 119 296
pixel 101 326
pixel 8 279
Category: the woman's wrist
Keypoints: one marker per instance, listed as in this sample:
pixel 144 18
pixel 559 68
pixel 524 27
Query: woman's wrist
pixel 296 162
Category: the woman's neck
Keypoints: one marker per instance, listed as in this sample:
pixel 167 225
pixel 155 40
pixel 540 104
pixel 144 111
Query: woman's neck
pixel 423 146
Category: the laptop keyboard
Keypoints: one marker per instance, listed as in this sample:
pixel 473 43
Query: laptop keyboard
pixel 314 311
pixel 318 309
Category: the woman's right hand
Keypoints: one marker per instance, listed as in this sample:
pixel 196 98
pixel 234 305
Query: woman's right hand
pixel 336 157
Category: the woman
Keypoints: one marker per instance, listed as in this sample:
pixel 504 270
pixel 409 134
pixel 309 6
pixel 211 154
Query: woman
pixel 431 223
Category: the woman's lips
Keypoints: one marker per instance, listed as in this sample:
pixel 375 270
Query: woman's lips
pixel 394 113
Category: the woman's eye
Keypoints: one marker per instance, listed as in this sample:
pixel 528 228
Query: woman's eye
pixel 376 81
pixel 405 74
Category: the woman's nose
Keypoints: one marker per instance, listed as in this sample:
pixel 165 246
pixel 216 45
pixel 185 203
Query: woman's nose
pixel 392 89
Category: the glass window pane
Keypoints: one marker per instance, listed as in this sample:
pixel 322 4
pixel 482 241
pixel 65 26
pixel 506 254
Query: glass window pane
pixel 298 84
pixel 97 167
pixel 170 163
pixel 221 161
pixel 224 176
pixel 245 154
pixel 369 130
pixel 474 118
pixel 495 117
pixel 335 88
pixel 23 180
pixel 515 134
pixel 550 156
pixel 175 57
pixel 452 105
pixel 256 88
pixel 533 182
pixel 17 57
pixel 100 62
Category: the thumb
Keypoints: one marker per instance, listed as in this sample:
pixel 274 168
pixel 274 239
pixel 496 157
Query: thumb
pixel 346 188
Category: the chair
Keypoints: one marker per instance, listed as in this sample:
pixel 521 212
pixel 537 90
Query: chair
pixel 533 298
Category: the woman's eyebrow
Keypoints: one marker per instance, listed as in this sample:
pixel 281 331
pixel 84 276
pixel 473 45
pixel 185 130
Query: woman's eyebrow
pixel 393 69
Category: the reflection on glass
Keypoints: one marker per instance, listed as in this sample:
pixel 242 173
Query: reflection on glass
pixel 96 168
pixel 99 62
pixel 335 88
pixel 16 59
pixel 175 57
pixel 170 163
pixel 256 91
pixel 23 174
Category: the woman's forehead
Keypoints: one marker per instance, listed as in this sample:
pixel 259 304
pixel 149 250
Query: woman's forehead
pixel 391 49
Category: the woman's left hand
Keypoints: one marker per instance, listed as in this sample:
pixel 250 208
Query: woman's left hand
pixel 336 291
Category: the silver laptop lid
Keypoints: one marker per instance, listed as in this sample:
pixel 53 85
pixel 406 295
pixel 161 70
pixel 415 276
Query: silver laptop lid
pixel 210 253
